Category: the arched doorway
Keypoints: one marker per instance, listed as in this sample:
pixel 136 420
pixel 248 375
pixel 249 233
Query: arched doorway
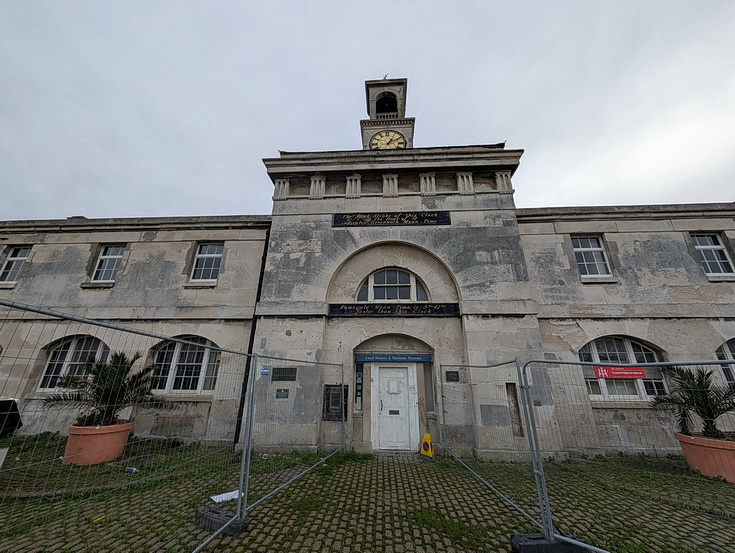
pixel 394 386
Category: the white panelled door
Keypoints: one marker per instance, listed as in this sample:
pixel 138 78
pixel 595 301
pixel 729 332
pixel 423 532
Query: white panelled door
pixel 394 417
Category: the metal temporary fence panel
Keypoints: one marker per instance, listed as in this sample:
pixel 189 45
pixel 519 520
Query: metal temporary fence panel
pixel 608 458
pixel 178 455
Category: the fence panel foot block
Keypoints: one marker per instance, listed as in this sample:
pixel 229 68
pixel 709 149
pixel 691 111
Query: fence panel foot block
pixel 213 518
pixel 537 543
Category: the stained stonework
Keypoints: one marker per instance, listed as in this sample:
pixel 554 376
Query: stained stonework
pixel 519 284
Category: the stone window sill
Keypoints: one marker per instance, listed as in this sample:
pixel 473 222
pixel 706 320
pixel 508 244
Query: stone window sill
pixel 612 404
pixel 721 278
pixel 97 285
pixel 600 280
pixel 200 285
pixel 7 285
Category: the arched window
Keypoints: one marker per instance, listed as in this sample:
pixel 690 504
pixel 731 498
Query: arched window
pixel 618 349
pixel 387 103
pixel 392 285
pixel 69 356
pixel 726 352
pixel 188 367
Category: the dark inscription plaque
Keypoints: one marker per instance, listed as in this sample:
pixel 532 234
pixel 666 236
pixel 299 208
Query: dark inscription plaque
pixel 394 218
pixel 394 309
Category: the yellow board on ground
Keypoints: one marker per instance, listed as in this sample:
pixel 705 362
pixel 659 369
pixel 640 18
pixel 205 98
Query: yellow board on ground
pixel 427 449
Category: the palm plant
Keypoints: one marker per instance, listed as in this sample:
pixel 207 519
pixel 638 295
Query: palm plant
pixel 696 393
pixel 105 389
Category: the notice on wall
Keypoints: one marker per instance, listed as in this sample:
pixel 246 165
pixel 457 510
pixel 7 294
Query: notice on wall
pixel 619 372
pixel 394 218
pixel 394 309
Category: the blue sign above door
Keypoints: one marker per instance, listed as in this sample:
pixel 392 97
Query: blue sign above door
pixel 394 357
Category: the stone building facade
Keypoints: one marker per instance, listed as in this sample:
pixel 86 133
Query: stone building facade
pixel 406 264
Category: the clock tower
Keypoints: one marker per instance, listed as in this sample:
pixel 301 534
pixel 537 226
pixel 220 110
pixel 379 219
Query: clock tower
pixel 388 127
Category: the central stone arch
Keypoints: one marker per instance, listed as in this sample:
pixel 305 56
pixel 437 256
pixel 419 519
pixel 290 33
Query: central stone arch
pixel 437 277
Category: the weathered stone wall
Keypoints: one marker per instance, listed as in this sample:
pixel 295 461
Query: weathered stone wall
pixel 152 292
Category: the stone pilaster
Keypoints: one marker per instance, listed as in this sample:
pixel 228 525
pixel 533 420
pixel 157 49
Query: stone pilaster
pixel 502 180
pixel 428 184
pixel 282 190
pixel 354 186
pixel 318 186
pixel 465 184
pixel 390 185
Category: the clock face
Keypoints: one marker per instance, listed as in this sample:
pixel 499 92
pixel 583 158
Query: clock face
pixel 387 140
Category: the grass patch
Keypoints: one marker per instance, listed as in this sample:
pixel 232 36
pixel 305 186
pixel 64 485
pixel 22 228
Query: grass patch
pixel 463 536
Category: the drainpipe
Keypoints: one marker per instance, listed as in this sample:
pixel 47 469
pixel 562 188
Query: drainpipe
pixel 251 342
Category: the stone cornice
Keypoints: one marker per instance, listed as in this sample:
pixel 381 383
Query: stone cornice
pixel 440 158
pixel 600 213
pixel 82 224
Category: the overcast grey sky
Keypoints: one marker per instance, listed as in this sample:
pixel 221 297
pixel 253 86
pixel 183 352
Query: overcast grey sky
pixel 157 108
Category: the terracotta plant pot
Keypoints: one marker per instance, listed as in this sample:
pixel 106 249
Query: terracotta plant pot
pixel 709 456
pixel 90 445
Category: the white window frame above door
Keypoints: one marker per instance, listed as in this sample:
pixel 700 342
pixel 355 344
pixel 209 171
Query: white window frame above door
pixel 406 281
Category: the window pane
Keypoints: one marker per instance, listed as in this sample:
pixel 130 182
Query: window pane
pixel 207 262
pixel 391 277
pixel 379 293
pixel 621 387
pixel 404 292
pixel 210 377
pixel 54 365
pixel 362 295
pixel 611 350
pixel 654 387
pixel 14 263
pixel 379 277
pixel 585 354
pixel 162 364
pixel 713 255
pixel 420 292
pixel 404 277
pixel 391 292
pixel 643 354
pixel 593 387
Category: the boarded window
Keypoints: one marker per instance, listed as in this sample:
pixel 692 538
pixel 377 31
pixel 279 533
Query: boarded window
pixel 335 402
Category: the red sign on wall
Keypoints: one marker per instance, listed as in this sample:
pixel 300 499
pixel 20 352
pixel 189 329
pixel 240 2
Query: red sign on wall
pixel 619 372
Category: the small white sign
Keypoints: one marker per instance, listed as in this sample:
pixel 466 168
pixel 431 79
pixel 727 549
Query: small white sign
pixel 225 496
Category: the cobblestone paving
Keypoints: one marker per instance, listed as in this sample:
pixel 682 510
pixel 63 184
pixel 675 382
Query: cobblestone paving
pixel 394 504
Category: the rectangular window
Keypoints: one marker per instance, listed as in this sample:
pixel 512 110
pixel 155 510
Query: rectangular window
pixel 283 374
pixel 108 263
pixel 335 402
pixel 207 262
pixel 713 254
pixel 589 251
pixel 654 387
pixel 726 352
pixel 14 263
pixel 429 387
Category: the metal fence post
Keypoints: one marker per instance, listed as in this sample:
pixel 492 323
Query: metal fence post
pixel 247 444
pixel 535 452
pixel 344 408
